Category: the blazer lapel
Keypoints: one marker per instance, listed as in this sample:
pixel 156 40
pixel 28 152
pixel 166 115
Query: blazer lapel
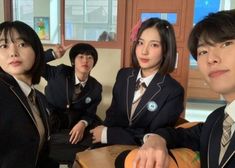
pixel 130 90
pixel 43 112
pixel 214 142
pixel 69 88
pixel 152 90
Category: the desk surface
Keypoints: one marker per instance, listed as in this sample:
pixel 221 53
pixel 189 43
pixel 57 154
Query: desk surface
pixel 101 157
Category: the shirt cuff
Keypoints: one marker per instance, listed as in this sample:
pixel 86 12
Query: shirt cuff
pixel 53 53
pixel 104 135
pixel 85 122
pixel 146 136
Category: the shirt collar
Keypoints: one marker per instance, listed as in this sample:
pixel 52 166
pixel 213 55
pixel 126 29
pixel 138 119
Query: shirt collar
pixel 147 79
pixel 230 110
pixel 77 81
pixel 24 87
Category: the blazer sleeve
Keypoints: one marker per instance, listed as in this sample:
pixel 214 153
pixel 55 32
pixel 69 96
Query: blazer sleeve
pixel 182 137
pixel 110 118
pixel 49 69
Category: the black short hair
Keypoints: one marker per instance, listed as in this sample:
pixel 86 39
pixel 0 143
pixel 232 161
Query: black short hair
pixel 30 37
pixel 83 48
pixel 214 28
pixel 168 43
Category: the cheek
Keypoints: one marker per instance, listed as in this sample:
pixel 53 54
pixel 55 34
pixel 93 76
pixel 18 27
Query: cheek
pixel 138 51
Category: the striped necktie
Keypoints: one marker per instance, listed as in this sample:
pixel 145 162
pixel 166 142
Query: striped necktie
pixel 227 124
pixel 139 91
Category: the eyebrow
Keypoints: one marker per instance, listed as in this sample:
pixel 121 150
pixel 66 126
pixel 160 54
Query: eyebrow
pixel 159 41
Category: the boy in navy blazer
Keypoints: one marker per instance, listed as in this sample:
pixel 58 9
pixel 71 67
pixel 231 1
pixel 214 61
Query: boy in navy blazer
pixel 73 114
pixel 212 44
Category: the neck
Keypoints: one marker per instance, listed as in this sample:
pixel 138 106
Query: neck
pixel 148 72
pixel 81 77
pixel 25 79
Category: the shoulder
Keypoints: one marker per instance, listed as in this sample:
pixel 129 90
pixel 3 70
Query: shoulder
pixel 215 114
pixel 172 83
pixel 127 72
pixel 94 82
pixel 64 69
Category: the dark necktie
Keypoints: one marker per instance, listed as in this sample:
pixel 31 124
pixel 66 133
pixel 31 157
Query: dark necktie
pixel 77 91
pixel 32 96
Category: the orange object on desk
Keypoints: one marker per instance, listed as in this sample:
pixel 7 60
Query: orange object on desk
pixel 100 157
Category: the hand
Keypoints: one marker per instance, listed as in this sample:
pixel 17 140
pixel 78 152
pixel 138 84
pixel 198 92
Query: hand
pixel 97 132
pixel 60 50
pixel 153 154
pixel 76 134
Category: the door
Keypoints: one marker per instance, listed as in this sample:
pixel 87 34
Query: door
pixel 179 13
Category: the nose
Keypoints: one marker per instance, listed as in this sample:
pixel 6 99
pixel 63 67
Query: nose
pixel 13 50
pixel 145 49
pixel 214 56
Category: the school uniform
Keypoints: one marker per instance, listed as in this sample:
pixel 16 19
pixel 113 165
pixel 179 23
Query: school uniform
pixel 19 134
pixel 160 106
pixel 205 138
pixel 59 92
pixel 66 111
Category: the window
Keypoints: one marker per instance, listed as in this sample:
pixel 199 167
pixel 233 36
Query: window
pixel 41 15
pixel 201 9
pixel 98 22
pixel 91 20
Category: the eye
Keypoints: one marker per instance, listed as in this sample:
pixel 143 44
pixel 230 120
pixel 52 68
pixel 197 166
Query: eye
pixel 81 56
pixel 3 46
pixel 226 43
pixel 22 44
pixel 201 52
pixel 140 42
pixel 89 57
pixel 155 45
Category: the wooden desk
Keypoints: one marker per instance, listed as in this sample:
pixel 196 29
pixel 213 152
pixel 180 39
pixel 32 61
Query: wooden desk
pixel 100 157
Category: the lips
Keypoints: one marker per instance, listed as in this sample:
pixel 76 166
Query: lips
pixel 217 73
pixel 15 63
pixel 143 60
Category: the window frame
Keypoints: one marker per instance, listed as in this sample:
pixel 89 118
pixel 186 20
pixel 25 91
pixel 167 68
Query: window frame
pixel 117 44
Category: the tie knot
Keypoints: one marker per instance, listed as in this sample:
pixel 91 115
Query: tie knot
pixel 140 84
pixel 228 121
pixel 32 96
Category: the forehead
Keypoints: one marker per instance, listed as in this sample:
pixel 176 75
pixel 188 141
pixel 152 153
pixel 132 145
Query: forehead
pixel 150 33
pixel 9 35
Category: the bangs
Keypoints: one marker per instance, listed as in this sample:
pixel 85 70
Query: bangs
pixel 7 34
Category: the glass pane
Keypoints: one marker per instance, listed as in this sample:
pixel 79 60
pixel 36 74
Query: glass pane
pixel 201 9
pixel 171 17
pixel 40 14
pixel 93 20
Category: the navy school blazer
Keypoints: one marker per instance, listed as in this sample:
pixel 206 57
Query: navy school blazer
pixel 160 106
pixel 19 137
pixel 205 138
pixel 59 92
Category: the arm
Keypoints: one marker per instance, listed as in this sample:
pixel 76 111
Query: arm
pixel 171 109
pixel 154 150
pixel 76 134
pixel 51 54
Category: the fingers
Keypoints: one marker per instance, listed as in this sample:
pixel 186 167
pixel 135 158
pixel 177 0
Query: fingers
pixel 75 137
pixel 67 47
